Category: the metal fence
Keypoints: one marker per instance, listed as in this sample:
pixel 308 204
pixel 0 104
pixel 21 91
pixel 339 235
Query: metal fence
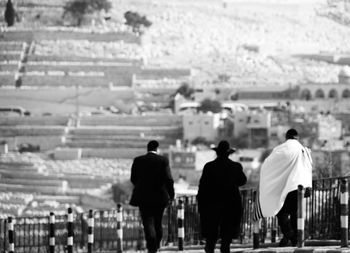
pixel 31 234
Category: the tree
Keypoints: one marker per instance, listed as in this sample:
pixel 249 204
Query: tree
pixel 208 105
pixel 185 90
pixel 10 14
pixel 136 21
pixel 122 191
pixel 78 9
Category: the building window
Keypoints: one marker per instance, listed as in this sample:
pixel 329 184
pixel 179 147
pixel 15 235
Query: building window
pixel 346 93
pixel 319 94
pixel 305 94
pixel 333 93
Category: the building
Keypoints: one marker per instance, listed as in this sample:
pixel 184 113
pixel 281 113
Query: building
pixel 324 91
pixel 256 125
pixel 201 125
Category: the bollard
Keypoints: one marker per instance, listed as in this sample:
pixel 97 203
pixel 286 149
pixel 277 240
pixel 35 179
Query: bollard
pixel 70 231
pixel 180 225
pixel 301 220
pixel 273 230
pixel 344 212
pixel 256 230
pixel 170 230
pixel 256 225
pixel 119 228
pixel 263 230
pixel 11 235
pixel 90 231
pixel 52 233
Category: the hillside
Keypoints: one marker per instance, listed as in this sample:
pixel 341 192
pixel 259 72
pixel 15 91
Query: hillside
pixel 248 40
pixel 245 42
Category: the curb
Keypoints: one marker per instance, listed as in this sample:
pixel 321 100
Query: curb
pixel 299 250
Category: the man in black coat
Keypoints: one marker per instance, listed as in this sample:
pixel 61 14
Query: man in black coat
pixel 219 199
pixel 153 191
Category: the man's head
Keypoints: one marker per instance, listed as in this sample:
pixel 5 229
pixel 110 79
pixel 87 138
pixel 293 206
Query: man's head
pixel 292 134
pixel 224 149
pixel 152 145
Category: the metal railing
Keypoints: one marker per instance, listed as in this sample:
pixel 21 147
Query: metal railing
pixel 31 234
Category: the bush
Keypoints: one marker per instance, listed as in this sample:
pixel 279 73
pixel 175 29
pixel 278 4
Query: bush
pixel 122 192
pixel 200 141
pixel 136 21
pixel 208 105
pixel 78 9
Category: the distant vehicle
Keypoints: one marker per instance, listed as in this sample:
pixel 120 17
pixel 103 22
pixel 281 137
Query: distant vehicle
pixel 234 107
pixel 13 110
pixel 268 106
pixel 228 106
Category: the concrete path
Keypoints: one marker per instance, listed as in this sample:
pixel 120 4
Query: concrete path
pixel 308 249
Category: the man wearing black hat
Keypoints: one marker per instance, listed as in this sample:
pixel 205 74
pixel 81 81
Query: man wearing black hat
pixel 219 199
pixel 153 191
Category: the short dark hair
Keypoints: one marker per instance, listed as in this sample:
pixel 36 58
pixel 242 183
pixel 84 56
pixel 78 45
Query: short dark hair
pixel 152 145
pixel 291 134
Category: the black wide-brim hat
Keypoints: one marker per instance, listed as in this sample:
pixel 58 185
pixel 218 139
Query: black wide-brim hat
pixel 224 148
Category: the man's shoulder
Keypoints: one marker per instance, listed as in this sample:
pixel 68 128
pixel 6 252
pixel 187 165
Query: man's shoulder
pixel 141 157
pixel 234 163
pixel 151 156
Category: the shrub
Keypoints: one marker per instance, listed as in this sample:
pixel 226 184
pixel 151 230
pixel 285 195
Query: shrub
pixel 208 105
pixel 78 9
pixel 136 21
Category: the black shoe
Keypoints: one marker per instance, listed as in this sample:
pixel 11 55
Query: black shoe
pixel 284 242
pixel 207 250
pixel 294 241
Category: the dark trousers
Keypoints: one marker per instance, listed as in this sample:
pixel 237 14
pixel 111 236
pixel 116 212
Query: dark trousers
pixel 287 216
pixel 219 222
pixel 152 226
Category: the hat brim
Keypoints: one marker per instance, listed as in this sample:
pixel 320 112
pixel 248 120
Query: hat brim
pixel 229 151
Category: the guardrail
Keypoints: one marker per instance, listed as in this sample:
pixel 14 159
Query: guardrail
pixel 104 230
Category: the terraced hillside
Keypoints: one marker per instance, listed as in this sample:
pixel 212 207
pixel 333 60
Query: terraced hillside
pixel 32 185
pixel 97 136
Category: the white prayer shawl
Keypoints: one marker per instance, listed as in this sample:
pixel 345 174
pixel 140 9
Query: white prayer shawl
pixel 288 166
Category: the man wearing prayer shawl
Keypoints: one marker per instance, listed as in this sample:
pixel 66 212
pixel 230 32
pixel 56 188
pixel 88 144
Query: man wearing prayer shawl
pixel 288 166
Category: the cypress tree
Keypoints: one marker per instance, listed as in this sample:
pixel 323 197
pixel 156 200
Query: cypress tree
pixel 10 13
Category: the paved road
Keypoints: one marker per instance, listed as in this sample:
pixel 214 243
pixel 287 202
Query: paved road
pixel 328 249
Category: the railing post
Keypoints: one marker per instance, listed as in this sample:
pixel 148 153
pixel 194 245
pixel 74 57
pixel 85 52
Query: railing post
pixel 256 230
pixel 119 228
pixel 256 226
pixel 301 219
pixel 273 230
pixel 70 231
pixel 11 235
pixel 91 225
pixel 344 212
pixel 52 233
pixel 169 217
pixel 180 225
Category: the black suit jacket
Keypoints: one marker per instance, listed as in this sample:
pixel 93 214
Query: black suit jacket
pixel 219 196
pixel 219 183
pixel 152 180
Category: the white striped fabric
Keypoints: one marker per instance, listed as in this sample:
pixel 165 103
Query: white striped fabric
pixel 257 214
